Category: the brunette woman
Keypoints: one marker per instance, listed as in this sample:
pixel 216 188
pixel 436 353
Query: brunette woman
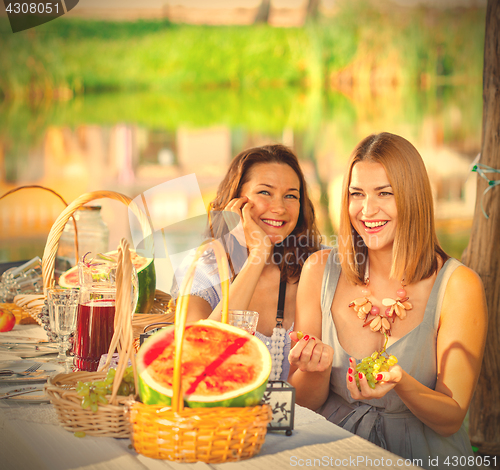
pixel 265 189
pixel 388 251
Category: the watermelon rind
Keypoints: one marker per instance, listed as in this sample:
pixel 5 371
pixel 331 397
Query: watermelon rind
pixel 146 275
pixel 251 394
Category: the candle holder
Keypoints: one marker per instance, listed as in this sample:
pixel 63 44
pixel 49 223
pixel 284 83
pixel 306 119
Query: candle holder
pixel 147 332
pixel 280 396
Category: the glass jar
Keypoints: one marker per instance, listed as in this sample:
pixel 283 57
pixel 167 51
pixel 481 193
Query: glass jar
pixel 93 237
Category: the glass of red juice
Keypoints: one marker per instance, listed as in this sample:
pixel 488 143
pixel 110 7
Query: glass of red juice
pixel 94 326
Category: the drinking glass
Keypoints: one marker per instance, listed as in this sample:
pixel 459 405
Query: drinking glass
pixel 245 319
pixel 63 304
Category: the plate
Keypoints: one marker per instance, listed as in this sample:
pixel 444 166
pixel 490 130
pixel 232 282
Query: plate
pixel 46 370
pixel 34 397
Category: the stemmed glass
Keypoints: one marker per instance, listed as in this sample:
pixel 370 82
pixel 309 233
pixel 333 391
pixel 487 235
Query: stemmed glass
pixel 63 304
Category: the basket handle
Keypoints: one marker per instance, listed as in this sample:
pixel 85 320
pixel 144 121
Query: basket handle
pixel 181 312
pixel 122 340
pixel 37 186
pixel 49 254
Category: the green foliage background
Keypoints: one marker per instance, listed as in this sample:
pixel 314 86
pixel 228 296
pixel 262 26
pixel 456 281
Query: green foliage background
pixel 96 56
pixel 257 78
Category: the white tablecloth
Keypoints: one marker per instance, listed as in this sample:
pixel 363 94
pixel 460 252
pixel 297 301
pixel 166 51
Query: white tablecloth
pixel 32 439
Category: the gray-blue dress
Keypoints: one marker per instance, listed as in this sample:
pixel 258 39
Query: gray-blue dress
pixel 387 421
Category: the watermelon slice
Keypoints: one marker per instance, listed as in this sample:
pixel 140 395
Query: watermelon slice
pixel 146 275
pixel 221 366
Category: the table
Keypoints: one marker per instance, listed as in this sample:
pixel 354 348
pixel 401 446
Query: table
pixel 31 438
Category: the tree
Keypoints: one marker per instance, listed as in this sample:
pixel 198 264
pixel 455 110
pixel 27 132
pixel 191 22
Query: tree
pixel 483 254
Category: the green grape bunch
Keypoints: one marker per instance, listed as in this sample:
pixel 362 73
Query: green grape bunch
pixel 95 393
pixel 371 366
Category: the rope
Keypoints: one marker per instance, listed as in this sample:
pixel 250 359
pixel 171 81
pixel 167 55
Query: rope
pixel 482 170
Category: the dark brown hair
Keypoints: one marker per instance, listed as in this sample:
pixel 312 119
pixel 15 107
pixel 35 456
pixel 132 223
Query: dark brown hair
pixel 416 247
pixel 305 237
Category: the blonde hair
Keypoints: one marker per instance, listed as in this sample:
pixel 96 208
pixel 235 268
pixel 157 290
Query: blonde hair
pixel 416 248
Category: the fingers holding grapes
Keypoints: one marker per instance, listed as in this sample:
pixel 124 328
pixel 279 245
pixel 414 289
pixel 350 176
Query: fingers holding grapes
pixel 310 354
pixel 366 380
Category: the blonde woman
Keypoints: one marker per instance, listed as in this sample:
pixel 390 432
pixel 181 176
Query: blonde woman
pixel 388 251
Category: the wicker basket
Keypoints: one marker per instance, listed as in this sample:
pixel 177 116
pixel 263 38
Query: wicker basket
pixel 55 193
pixel 210 435
pixel 33 304
pixel 22 317
pixel 110 419
pixel 140 322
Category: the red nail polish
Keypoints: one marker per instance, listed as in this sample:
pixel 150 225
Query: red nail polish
pixel 306 337
pixel 360 375
pixel 380 376
pixel 350 370
pixel 313 339
pixel 350 378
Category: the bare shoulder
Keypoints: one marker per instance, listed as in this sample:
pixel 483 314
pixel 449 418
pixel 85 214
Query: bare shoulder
pixel 464 294
pixel 464 282
pixel 312 272
pixel 317 261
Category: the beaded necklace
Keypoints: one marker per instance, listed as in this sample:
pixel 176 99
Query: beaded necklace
pixel 278 337
pixel 365 309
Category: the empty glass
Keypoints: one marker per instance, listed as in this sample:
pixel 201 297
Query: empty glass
pixel 63 304
pixel 244 319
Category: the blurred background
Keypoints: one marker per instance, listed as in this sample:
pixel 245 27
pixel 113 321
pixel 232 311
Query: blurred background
pixel 118 97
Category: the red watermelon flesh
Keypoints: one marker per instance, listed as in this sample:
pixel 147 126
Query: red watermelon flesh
pixel 209 362
pixel 221 366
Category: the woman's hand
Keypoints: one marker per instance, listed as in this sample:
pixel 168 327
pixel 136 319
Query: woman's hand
pixel 247 232
pixel 386 382
pixel 310 354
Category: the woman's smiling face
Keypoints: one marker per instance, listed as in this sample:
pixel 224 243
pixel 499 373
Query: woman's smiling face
pixel 274 190
pixel 372 205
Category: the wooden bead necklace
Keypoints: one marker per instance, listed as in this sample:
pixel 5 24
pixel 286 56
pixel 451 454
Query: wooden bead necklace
pixel 371 314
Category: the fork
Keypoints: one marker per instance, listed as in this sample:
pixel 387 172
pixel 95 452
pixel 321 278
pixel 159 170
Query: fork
pixel 33 368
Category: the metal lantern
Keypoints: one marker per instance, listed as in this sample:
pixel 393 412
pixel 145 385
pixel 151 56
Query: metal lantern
pixel 147 332
pixel 280 396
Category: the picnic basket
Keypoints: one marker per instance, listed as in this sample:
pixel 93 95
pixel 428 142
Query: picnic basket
pixel 110 419
pixel 210 435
